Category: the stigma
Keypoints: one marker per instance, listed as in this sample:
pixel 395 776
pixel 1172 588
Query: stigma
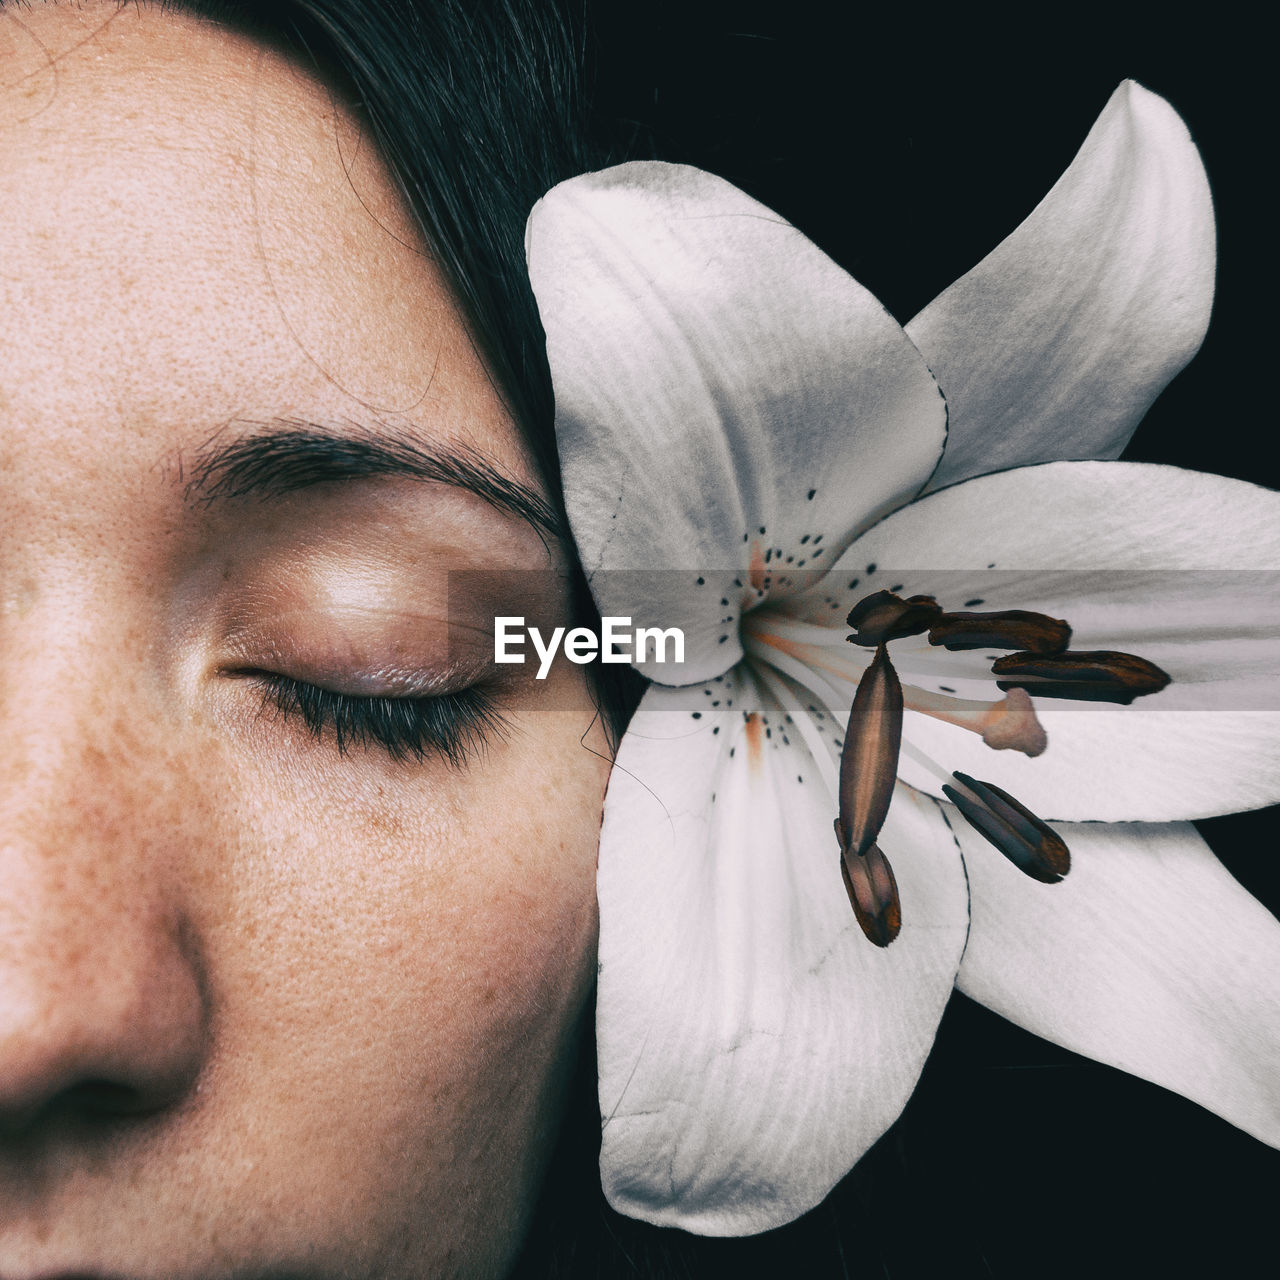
pixel 1041 664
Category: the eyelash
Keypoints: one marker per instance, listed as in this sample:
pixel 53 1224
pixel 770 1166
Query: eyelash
pixel 453 726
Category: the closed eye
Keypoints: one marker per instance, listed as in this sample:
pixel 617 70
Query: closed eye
pixel 453 726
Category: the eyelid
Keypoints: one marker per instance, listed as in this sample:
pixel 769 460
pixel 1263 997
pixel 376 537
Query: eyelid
pixel 454 726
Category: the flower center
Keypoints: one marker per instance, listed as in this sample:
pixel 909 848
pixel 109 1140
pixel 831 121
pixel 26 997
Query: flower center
pixel 1039 662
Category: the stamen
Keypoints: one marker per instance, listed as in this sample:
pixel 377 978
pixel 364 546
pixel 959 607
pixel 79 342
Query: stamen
pixel 869 758
pixel 1009 724
pixel 1006 629
pixel 1031 845
pixel 873 892
pixel 1088 676
pixel 882 616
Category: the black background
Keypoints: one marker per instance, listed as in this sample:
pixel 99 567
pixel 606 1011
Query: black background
pixel 907 146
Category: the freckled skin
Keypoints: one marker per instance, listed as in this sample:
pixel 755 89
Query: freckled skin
pixel 330 999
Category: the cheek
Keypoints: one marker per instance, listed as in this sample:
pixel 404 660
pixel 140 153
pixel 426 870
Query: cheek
pixel 399 958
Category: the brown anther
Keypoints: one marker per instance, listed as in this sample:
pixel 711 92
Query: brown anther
pixel 1031 845
pixel 882 616
pixel 869 758
pixel 1088 676
pixel 873 892
pixel 1008 629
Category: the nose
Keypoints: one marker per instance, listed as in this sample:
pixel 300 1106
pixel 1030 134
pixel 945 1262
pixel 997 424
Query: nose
pixel 102 1003
pixel 105 1021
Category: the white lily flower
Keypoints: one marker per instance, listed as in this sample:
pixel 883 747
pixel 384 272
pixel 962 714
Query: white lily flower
pixel 736 411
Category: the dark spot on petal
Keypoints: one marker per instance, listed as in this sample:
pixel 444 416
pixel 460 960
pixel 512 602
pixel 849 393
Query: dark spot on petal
pixel 697 715
pixel 896 588
pixel 946 688
pixel 702 582
pixel 972 604
pixel 854 583
pixel 811 493
pixel 715 729
pixel 871 568
pixel 804 539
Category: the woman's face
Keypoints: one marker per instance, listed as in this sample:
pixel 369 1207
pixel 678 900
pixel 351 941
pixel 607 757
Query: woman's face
pixel 271 1003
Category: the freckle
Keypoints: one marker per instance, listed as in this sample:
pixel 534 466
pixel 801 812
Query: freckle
pixel 723 639
pixel 716 729
pixel 871 568
pixel 762 529
pixel 732 752
pixel 799 778
pixel 817 538
pixel 790 559
pixel 702 582
pixel 811 493
pixel 697 715
pixel 990 566
pixel 804 539
pixel 897 586
pixel 723 600
pixel 800 564
pixel 946 688
pixel 973 604
pixel 715 702
pixel 818 551
pixel 853 584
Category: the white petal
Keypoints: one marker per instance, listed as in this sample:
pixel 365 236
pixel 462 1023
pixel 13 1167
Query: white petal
pixel 720 383
pixel 752 1043
pixel 1055 345
pixel 1173 565
pixel 1148 957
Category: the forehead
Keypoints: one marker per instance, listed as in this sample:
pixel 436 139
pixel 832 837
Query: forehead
pixel 198 230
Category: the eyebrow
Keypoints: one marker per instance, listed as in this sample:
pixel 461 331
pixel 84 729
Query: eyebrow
pixel 286 455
